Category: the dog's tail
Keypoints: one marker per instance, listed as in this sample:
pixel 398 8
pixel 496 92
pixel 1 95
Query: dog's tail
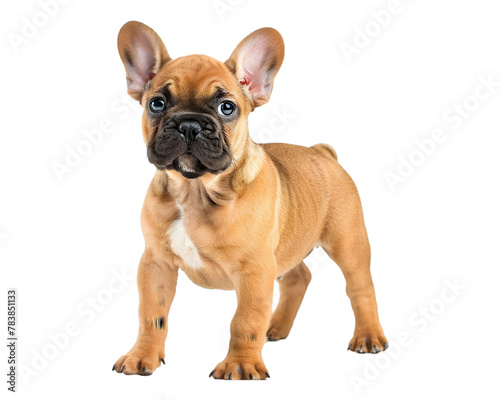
pixel 326 149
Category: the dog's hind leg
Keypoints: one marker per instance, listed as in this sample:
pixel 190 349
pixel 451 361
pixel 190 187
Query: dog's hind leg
pixel 293 286
pixel 346 242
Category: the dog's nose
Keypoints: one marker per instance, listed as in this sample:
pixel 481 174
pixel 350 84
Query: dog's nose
pixel 189 129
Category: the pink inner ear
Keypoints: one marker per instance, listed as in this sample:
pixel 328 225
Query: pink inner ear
pixel 248 79
pixel 256 83
pixel 144 63
pixel 254 59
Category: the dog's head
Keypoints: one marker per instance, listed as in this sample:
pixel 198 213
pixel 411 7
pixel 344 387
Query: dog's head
pixel 196 107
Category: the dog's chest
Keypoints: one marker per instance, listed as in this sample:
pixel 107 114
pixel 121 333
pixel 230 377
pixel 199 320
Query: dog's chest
pixel 182 245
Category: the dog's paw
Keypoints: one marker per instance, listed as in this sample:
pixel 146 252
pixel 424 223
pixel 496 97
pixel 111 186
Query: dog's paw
pixel 277 332
pixel 139 361
pixel 368 342
pixel 234 368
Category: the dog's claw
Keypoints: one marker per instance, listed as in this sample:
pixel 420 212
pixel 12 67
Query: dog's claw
pixel 267 375
pixel 230 376
pixel 163 361
pixel 386 346
pixel 211 373
pixel 114 366
pixel 122 369
pixel 375 350
pixel 360 350
pixel 251 377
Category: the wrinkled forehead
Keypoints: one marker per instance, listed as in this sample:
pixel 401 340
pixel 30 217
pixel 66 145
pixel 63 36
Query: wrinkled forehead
pixel 195 77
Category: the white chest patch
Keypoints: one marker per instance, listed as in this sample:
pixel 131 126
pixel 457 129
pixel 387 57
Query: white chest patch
pixel 182 245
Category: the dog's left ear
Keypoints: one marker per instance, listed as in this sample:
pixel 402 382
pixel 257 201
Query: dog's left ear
pixel 256 61
pixel 143 54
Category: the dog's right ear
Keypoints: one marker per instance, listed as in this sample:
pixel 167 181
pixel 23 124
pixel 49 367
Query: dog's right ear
pixel 143 54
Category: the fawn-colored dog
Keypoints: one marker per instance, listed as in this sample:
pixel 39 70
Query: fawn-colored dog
pixel 233 214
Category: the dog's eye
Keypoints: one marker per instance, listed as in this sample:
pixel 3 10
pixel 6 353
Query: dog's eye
pixel 157 105
pixel 226 108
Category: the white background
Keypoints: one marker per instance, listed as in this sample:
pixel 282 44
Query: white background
pixel 62 240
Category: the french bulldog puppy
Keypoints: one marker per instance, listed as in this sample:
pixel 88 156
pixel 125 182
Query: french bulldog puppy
pixel 231 213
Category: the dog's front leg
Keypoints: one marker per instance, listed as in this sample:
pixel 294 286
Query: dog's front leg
pixel 254 290
pixel 156 281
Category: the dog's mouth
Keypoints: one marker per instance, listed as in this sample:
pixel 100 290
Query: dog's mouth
pixel 189 166
pixel 192 152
